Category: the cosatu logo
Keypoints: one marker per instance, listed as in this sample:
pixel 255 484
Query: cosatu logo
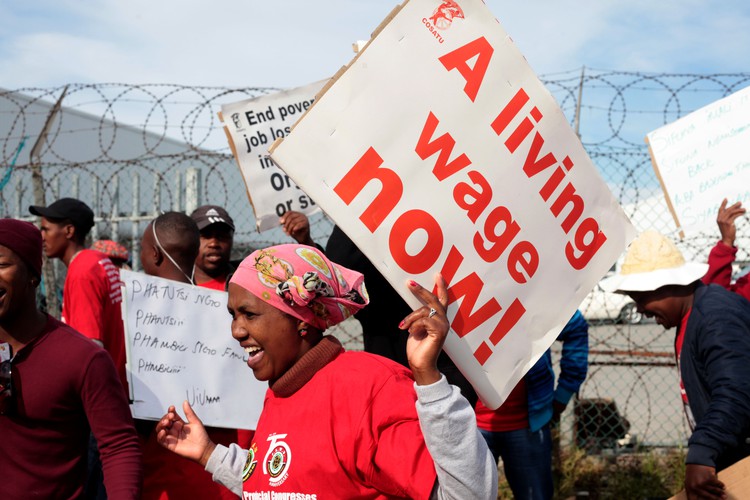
pixel 445 14
pixel 442 18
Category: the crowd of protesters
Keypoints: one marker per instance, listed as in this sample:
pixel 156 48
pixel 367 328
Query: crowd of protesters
pixel 396 421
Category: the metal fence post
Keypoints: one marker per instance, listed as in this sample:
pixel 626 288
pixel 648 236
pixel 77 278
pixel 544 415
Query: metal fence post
pixel 192 189
pixel 95 208
pixel 135 247
pixel 176 199
pixel 37 180
pixel 114 215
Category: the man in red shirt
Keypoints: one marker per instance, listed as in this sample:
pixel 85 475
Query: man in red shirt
pixel 724 252
pixel 91 294
pixel 56 389
pixel 216 228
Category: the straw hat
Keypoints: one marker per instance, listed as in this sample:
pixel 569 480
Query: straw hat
pixel 653 261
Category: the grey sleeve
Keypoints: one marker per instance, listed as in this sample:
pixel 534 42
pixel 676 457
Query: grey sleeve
pixel 225 465
pixel 465 467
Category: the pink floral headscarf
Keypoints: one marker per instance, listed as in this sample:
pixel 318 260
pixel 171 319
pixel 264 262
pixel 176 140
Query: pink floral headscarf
pixel 301 281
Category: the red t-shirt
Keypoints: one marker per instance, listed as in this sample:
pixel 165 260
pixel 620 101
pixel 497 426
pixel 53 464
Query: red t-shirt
pixel 513 415
pixel 679 339
pixel 169 476
pixel 214 284
pixel 63 387
pixel 350 432
pixel 91 304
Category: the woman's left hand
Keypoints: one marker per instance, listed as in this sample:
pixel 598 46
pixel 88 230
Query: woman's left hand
pixel 428 328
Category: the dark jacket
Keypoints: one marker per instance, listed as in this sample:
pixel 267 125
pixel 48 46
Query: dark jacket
pixel 715 368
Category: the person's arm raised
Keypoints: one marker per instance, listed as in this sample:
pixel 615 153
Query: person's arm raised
pixel 725 219
pixel 464 465
pixel 297 225
pixel 428 328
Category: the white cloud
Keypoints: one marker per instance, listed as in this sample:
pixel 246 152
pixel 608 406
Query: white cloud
pixel 289 43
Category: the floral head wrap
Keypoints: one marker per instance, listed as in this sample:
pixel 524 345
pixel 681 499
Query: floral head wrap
pixel 301 281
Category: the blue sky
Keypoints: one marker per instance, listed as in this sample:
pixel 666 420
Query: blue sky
pixel 290 43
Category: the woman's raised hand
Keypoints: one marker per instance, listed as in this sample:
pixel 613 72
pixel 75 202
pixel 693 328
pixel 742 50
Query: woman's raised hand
pixel 187 439
pixel 428 327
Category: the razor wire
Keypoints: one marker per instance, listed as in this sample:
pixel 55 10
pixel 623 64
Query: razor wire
pixel 129 151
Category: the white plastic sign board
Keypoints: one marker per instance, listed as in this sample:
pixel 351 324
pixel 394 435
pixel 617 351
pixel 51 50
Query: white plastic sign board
pixel 703 158
pixel 251 126
pixel 438 149
pixel 179 347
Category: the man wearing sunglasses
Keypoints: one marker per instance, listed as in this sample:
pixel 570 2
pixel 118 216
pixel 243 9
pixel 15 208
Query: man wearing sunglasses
pixel 57 388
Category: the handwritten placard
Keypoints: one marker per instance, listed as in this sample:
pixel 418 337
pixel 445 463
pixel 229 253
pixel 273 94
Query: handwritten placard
pixel 251 126
pixel 703 158
pixel 179 347
pixel 438 149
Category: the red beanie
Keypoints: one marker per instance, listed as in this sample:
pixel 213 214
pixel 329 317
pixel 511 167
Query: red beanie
pixel 25 240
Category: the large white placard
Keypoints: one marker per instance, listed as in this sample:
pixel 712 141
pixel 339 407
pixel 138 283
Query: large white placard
pixel 703 158
pixel 438 149
pixel 251 126
pixel 180 347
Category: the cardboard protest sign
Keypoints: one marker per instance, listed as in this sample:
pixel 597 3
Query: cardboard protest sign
pixel 736 481
pixel 179 346
pixel 438 149
pixel 251 126
pixel 702 158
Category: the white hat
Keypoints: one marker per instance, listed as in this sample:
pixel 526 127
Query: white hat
pixel 653 261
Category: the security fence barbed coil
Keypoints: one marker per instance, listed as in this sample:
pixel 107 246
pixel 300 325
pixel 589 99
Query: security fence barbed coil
pixel 131 151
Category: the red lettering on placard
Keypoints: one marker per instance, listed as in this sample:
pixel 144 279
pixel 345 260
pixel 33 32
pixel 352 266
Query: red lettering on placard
pixel 483 353
pixel 533 164
pixel 444 144
pixel 499 242
pixel 522 131
pixel 468 288
pixel 366 169
pixel 568 197
pixel 586 249
pixel 463 193
pixel 508 321
pixel 510 111
pixel 525 255
pixel 403 228
pixel 568 205
pixel 458 59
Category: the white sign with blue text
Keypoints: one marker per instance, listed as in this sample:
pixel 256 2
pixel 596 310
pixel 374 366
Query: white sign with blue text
pixel 703 158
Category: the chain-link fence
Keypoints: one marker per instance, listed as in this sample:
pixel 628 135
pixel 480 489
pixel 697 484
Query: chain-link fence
pixel 130 151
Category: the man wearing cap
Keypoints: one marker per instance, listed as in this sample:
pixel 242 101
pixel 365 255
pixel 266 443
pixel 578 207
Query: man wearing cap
pixel 217 232
pixel 712 348
pixel 91 294
pixel 55 389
